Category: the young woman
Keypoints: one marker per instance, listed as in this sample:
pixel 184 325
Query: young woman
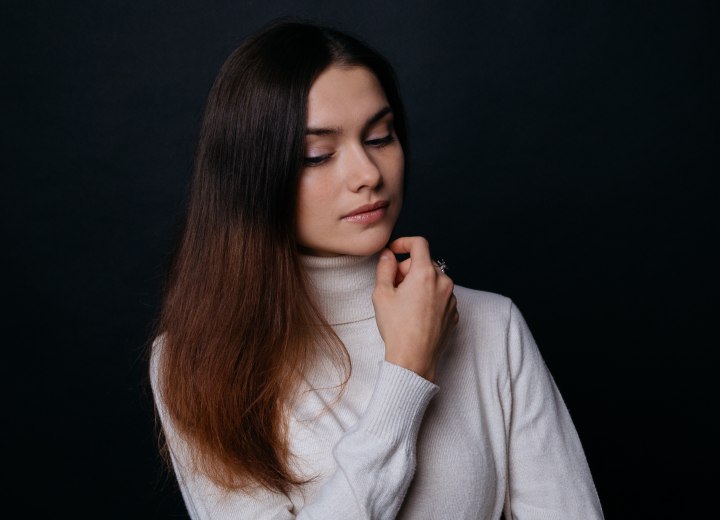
pixel 300 370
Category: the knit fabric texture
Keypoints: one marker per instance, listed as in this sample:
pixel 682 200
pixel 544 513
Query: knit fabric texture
pixel 491 435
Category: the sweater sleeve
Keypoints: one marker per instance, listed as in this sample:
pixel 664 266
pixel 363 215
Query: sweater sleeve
pixel 375 462
pixel 549 477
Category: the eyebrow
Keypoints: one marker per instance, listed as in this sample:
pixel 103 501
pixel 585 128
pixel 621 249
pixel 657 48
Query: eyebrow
pixel 337 130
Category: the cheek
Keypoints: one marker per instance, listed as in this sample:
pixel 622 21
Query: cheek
pixel 307 191
pixel 314 199
pixel 398 174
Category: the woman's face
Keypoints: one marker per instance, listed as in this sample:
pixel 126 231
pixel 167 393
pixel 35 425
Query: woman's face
pixel 350 188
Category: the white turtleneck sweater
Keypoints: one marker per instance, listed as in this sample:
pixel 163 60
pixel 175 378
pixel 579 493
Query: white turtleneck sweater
pixel 492 436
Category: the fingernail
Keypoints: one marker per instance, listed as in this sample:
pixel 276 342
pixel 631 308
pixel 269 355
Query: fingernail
pixel 385 255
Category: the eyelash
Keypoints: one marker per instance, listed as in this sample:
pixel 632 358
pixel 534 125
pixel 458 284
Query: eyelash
pixel 376 143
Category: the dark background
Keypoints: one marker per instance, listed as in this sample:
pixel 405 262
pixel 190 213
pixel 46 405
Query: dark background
pixel 562 155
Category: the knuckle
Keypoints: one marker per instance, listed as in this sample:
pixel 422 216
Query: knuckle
pixel 447 286
pixel 421 241
pixel 428 274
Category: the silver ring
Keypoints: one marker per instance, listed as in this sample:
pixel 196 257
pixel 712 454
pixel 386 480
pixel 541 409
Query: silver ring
pixel 442 265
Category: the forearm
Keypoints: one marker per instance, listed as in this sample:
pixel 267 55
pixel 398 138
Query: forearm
pixel 376 458
pixel 375 463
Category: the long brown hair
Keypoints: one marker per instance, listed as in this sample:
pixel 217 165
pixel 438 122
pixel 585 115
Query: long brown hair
pixel 238 326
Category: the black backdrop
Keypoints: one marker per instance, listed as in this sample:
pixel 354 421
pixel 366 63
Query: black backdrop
pixel 562 155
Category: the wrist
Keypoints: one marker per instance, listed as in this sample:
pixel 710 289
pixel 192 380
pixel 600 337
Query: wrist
pixel 424 370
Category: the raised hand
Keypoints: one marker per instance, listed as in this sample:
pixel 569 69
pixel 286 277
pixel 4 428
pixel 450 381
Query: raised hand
pixel 415 307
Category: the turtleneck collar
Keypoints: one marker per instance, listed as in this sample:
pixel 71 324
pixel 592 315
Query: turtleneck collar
pixel 343 286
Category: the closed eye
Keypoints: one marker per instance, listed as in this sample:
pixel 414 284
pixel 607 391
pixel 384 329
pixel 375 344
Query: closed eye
pixel 382 141
pixel 315 161
pixel 376 143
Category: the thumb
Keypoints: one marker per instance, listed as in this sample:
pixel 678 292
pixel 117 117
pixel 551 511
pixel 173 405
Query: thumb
pixel 386 269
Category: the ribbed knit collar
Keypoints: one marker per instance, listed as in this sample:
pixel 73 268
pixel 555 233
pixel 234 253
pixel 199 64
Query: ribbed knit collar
pixel 343 286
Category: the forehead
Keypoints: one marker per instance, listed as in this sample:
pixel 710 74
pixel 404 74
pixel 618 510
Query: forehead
pixel 344 94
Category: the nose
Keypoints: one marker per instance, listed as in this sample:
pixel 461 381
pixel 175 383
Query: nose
pixel 362 171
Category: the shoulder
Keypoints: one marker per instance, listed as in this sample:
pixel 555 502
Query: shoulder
pixel 157 347
pixel 156 351
pixel 495 316
pixel 492 312
pixel 493 327
pixel 481 339
pixel 489 308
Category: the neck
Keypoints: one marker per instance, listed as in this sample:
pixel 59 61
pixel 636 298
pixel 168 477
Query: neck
pixel 342 286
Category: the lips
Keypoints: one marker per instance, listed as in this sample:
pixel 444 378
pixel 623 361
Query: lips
pixel 367 208
pixel 368 214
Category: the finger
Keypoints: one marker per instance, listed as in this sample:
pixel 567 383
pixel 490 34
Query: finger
pixel 404 266
pixel 402 271
pixel 386 269
pixel 441 266
pixel 452 304
pixel 452 309
pixel 418 248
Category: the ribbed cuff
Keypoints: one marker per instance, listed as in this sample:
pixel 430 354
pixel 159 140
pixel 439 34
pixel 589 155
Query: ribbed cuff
pixel 398 403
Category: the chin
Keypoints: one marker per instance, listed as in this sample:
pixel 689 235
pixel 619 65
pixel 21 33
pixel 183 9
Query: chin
pixel 365 251
pixel 360 246
pixel 356 249
pixel 370 244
